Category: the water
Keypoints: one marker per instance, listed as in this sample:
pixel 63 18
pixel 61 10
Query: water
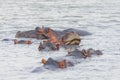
pixel 100 17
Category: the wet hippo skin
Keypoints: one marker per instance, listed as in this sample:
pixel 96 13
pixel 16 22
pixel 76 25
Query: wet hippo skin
pixel 80 32
pixel 34 34
pixel 27 34
pixel 70 58
pixel 76 54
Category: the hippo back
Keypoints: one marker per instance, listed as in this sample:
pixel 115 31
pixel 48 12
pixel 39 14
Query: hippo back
pixel 80 32
pixel 76 54
pixel 71 38
pixel 51 64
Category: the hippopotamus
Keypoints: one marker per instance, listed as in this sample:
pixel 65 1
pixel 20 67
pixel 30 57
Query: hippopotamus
pixel 22 41
pixel 47 46
pixel 77 53
pixel 56 63
pixel 70 59
pixel 54 37
pixel 91 52
pixel 38 33
pixel 70 39
pixel 18 41
pixel 6 39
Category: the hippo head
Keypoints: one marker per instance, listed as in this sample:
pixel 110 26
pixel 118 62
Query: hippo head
pixel 91 51
pixel 48 46
pixel 43 30
pixel 98 52
pixel 77 54
pixel 71 38
pixel 51 63
pixel 47 33
pixel 47 30
pixel 39 30
pixel 51 34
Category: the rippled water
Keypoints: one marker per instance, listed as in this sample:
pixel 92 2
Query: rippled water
pixel 100 17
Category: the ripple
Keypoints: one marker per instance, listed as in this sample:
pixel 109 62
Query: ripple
pixel 101 18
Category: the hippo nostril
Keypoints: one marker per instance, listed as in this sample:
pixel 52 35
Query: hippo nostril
pixel 62 64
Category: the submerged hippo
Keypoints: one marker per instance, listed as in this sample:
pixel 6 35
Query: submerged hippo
pixel 70 59
pixel 71 38
pixel 47 46
pixel 6 39
pixel 54 64
pixel 68 40
pixel 22 41
pixel 18 41
pixel 91 52
pixel 39 33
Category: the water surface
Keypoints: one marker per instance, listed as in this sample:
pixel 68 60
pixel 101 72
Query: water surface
pixel 100 17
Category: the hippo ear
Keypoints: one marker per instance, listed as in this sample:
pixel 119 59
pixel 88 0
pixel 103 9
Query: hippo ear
pixel 43 61
pixel 84 53
pixel 37 28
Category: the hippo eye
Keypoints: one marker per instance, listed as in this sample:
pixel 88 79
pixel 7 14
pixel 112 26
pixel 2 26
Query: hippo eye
pixel 46 32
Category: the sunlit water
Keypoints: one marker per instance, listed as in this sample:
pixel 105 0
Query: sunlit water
pixel 100 17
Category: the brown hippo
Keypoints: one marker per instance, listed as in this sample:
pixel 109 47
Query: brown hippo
pixel 22 41
pixel 54 64
pixel 71 38
pixel 39 33
pixel 18 41
pixel 91 52
pixel 48 46
pixel 68 40
pixel 54 38
pixel 70 59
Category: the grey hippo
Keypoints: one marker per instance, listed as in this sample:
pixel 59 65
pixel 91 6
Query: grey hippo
pixel 40 32
pixel 70 59
pixel 68 40
pixel 54 38
pixel 18 41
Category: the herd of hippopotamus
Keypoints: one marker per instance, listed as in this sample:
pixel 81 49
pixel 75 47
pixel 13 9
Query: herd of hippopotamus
pixel 53 40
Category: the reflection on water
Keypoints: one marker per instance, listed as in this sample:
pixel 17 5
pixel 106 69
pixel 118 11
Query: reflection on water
pixel 100 17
